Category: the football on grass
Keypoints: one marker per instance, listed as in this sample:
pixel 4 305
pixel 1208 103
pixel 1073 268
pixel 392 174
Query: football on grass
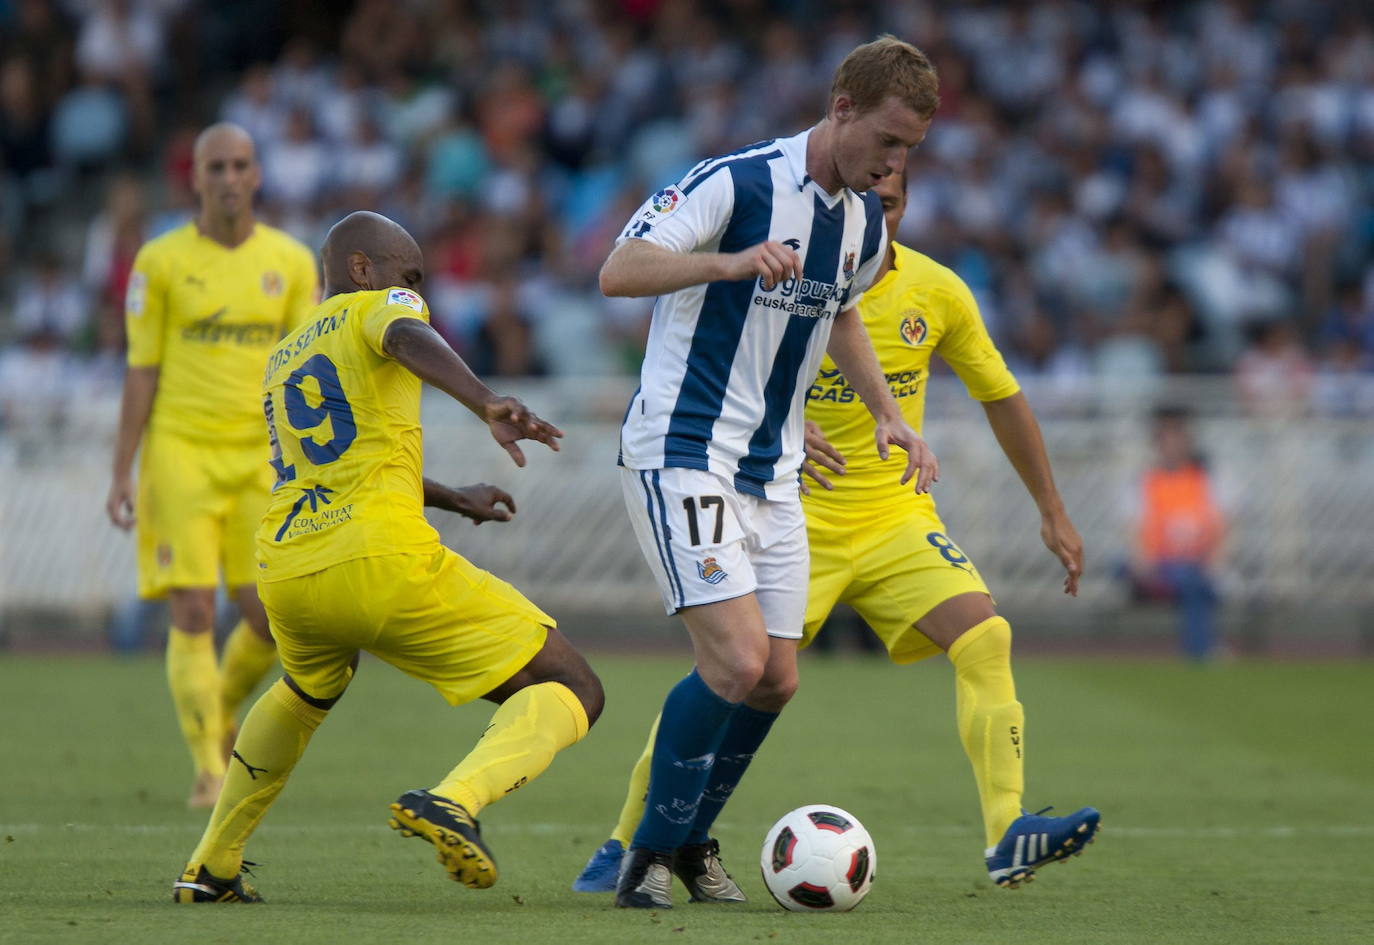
pixel 818 858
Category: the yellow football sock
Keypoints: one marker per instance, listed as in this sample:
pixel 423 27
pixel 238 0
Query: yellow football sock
pixel 525 733
pixel 193 677
pixel 633 811
pixel 991 723
pixel 247 658
pixel 272 740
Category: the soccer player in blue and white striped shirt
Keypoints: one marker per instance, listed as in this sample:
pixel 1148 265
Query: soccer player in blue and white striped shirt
pixel 758 259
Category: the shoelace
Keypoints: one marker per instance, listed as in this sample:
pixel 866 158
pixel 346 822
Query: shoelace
pixel 246 867
pixel 1042 810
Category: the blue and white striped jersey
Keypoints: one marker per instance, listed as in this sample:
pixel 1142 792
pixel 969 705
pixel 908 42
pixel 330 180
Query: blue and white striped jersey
pixel 728 364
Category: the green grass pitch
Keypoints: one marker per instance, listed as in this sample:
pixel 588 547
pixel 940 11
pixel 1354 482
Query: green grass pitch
pixel 1236 804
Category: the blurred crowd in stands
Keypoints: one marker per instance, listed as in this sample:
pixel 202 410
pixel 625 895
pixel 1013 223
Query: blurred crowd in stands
pixel 1131 189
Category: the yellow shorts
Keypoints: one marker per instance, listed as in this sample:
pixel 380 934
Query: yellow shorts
pixel 893 568
pixel 435 616
pixel 199 505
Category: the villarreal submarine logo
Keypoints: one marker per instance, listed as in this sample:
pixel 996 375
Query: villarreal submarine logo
pixel 914 328
pixel 710 572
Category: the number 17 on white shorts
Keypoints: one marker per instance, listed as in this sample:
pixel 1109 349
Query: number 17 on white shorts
pixel 706 542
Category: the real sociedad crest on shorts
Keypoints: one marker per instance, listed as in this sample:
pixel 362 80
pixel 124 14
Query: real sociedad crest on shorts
pixel 914 328
pixel 710 572
pixel 849 265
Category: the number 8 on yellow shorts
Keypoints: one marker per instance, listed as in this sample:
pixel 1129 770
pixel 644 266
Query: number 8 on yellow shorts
pixel 893 570
pixel 433 615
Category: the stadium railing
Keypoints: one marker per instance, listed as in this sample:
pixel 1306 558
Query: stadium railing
pixel 1298 491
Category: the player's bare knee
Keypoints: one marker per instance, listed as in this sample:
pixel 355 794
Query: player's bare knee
pixel 589 691
pixel 771 695
pixel 743 678
pixel 582 681
pixel 776 687
pixel 192 609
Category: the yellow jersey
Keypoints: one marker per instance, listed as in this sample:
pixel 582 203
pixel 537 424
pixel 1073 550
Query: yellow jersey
pixel 207 315
pixel 918 308
pixel 343 421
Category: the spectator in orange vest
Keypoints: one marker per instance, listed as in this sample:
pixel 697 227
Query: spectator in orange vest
pixel 1180 534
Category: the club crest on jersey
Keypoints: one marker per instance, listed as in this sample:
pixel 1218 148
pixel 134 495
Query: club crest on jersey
pixel 848 266
pixel 405 297
pixel 271 283
pixel 164 556
pixel 710 572
pixel 914 329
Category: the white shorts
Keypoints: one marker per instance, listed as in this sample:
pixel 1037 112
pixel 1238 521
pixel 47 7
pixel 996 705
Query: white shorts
pixel 705 542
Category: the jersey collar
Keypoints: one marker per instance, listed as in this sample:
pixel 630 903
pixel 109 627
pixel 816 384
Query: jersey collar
pixel 794 149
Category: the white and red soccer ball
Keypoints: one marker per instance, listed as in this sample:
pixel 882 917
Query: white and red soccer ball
pixel 818 858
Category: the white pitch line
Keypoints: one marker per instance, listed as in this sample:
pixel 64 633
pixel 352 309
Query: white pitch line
pixel 540 828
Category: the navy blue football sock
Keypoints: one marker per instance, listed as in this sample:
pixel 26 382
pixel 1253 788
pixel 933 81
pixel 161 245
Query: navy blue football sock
pixel 743 736
pixel 694 721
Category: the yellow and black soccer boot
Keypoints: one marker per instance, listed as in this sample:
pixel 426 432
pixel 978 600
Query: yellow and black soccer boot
pixel 197 885
pixel 456 836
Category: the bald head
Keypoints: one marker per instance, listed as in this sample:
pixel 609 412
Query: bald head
pixel 224 135
pixel 225 175
pixel 366 250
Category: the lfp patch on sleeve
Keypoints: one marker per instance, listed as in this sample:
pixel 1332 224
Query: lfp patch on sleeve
pixel 661 204
pixel 405 297
pixel 135 294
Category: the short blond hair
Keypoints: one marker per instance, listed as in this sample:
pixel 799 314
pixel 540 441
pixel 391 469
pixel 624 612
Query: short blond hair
pixel 888 67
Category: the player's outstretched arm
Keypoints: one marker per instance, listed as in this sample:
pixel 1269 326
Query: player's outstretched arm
pixel 424 352
pixel 135 405
pixel 853 354
pixel 1013 423
pixel 478 502
pixel 637 268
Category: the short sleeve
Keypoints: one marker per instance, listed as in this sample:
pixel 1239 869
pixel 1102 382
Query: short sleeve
pixel 685 218
pixel 145 310
pixel 968 349
pixel 303 289
pixel 399 303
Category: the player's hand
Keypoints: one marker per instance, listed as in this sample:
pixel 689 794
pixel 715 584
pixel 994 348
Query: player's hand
pixel 1059 535
pixel 509 420
pixel 771 261
pixel 820 453
pixel 480 503
pixel 119 504
pixel 920 458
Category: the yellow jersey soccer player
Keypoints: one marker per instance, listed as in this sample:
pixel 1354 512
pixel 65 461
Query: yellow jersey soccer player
pixel 206 303
pixel 347 562
pixel 885 551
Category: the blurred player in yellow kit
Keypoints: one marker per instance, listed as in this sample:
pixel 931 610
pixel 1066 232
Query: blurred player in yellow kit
pixel 206 303
pixel 347 562
pixel 882 549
